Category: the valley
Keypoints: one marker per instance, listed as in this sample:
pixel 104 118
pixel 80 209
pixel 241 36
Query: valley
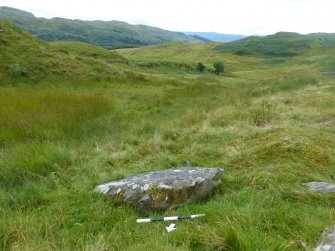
pixel 74 115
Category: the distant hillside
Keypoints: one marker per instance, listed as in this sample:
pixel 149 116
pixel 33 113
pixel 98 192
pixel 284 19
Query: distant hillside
pixel 280 44
pixel 108 34
pixel 26 57
pixel 206 40
pixel 216 37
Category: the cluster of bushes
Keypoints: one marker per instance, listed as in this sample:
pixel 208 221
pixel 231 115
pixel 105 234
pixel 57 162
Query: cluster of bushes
pixel 218 67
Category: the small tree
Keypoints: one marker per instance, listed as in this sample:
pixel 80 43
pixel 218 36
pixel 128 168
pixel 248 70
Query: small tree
pixel 200 67
pixel 218 68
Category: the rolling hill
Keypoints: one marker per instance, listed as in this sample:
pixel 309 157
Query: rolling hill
pixel 74 115
pixel 108 34
pixel 26 57
pixel 280 44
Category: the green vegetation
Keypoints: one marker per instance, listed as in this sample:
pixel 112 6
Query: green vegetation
pixel 282 44
pixel 74 115
pixel 200 67
pixel 26 58
pixel 218 68
pixel 111 34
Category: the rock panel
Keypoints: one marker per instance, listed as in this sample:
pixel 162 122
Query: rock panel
pixel 163 189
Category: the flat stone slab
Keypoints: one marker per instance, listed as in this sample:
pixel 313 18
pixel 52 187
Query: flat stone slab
pixel 327 240
pixel 163 189
pixel 320 187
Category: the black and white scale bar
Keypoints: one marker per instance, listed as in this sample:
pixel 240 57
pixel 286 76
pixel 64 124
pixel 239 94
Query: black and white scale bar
pixel 169 218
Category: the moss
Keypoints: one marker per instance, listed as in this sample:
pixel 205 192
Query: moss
pixel 118 198
pixel 217 177
pixel 158 194
pixel 175 197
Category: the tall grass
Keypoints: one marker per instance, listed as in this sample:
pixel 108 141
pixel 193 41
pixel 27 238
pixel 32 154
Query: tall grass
pixel 50 114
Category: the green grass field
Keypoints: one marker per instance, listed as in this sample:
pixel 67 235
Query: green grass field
pixel 93 116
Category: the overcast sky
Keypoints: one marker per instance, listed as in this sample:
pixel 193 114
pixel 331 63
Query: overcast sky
pixel 225 16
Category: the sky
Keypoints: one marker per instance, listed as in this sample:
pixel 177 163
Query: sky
pixel 225 16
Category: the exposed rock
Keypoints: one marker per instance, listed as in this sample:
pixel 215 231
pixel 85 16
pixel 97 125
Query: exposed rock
pixel 327 124
pixel 320 187
pixel 327 240
pixel 286 139
pixel 163 189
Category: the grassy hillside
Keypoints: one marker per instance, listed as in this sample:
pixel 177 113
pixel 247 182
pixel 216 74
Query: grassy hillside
pixel 25 58
pixel 178 58
pixel 269 123
pixel 111 34
pixel 281 44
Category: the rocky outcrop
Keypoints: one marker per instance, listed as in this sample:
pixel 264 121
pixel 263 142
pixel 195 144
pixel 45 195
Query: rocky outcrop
pixel 320 187
pixel 163 189
pixel 327 242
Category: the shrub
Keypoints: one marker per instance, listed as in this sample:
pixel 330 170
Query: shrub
pixel 200 67
pixel 218 68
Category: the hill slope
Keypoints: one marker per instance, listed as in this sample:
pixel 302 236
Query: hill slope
pixel 271 126
pixel 108 34
pixel 280 44
pixel 23 56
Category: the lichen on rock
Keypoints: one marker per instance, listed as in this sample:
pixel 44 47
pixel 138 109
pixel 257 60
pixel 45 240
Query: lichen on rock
pixel 163 189
pixel 327 240
pixel 320 187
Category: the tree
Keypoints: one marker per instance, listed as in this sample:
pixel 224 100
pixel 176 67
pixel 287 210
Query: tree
pixel 200 67
pixel 218 68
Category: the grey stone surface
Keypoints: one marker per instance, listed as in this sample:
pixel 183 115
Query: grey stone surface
pixel 286 139
pixel 327 240
pixel 320 187
pixel 163 189
pixel 326 124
